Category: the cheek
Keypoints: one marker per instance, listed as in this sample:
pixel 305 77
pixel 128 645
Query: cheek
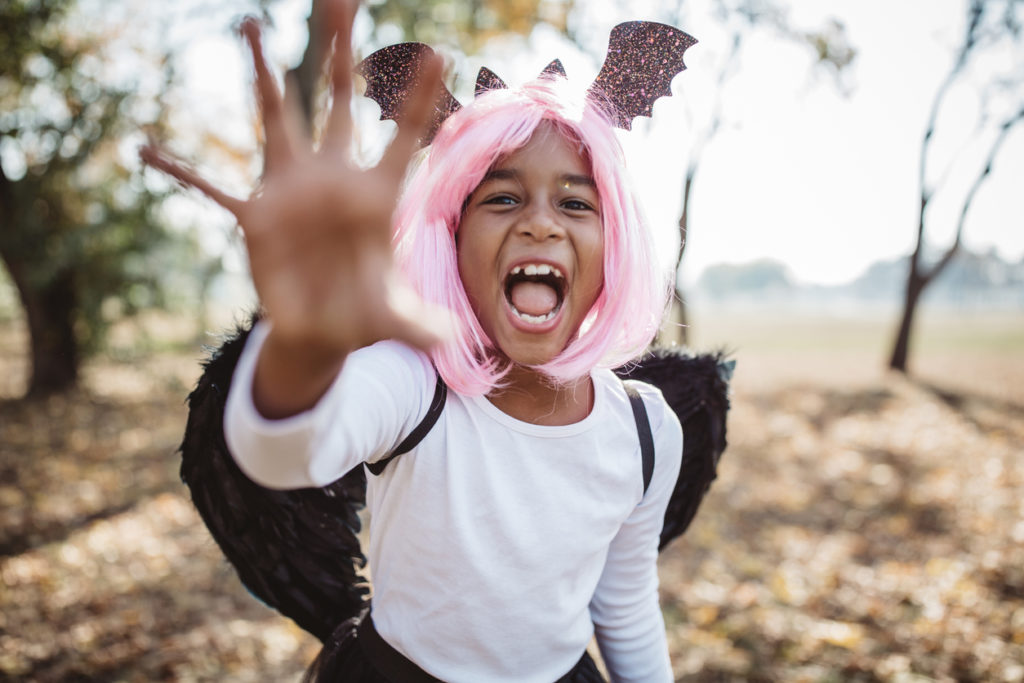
pixel 592 262
pixel 476 250
pixel 470 273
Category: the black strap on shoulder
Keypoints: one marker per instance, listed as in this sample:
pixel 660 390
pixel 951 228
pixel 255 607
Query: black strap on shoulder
pixel 422 429
pixel 643 430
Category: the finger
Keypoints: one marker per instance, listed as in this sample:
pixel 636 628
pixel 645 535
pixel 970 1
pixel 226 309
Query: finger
pixel 277 146
pixel 339 16
pixel 157 158
pixel 416 116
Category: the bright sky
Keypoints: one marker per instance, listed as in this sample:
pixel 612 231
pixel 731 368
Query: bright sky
pixel 801 172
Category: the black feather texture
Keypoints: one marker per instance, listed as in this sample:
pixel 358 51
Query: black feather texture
pixel 696 387
pixel 297 551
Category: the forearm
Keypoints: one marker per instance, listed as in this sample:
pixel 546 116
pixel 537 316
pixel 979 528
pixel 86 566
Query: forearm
pixel 366 409
pixel 290 378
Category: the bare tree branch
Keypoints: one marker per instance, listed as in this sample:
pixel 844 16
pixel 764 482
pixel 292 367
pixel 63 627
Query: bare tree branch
pixel 986 171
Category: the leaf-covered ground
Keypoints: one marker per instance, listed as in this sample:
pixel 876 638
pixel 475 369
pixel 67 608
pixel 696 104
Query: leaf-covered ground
pixel 863 527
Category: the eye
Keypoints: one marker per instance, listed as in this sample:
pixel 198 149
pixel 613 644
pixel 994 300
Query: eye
pixel 577 205
pixel 501 200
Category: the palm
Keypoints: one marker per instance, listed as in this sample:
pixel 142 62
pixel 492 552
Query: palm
pixel 318 231
pixel 320 253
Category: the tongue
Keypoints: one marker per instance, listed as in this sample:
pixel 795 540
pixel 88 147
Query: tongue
pixel 534 298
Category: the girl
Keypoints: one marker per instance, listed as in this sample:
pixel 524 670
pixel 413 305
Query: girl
pixel 515 270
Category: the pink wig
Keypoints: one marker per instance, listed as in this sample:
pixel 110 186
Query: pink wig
pixel 628 310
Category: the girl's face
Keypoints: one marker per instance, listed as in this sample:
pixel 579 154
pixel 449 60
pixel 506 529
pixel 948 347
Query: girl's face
pixel 531 246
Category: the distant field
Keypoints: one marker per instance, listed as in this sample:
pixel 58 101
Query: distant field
pixel 977 353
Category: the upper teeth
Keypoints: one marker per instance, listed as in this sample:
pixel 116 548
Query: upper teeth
pixel 537 269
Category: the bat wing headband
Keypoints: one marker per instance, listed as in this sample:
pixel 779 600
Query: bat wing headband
pixel 643 58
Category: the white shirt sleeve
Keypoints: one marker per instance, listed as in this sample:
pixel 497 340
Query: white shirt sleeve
pixel 627 617
pixel 378 398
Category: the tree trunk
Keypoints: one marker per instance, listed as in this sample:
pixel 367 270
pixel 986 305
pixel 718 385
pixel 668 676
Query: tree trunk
pixel 679 305
pixel 306 73
pixel 915 285
pixel 49 311
pixel 682 317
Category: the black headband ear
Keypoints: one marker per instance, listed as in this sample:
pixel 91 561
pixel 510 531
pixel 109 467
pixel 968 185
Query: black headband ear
pixel 643 58
pixel 487 80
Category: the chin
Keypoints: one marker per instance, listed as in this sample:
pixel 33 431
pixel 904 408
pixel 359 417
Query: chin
pixel 532 350
pixel 532 360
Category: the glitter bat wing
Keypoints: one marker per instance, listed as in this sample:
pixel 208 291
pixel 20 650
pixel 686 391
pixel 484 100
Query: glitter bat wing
pixel 643 58
pixel 392 72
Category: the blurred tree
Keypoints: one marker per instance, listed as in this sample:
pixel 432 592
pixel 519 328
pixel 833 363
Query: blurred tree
pixel 467 26
pixel 757 277
pixel 462 26
pixel 992 27
pixel 78 229
pixel 829 47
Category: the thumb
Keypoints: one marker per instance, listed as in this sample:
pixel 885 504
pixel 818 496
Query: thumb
pixel 419 324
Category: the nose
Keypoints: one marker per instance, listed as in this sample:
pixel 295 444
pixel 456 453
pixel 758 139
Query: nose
pixel 540 224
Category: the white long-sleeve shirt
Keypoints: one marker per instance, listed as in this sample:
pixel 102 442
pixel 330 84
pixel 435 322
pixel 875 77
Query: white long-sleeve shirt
pixel 498 547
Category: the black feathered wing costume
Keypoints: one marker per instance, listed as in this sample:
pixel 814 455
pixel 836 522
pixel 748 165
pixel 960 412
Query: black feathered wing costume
pixel 298 551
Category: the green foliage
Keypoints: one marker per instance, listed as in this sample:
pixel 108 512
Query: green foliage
pixel 466 26
pixel 73 206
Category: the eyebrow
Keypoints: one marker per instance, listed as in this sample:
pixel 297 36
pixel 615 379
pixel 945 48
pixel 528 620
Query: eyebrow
pixel 512 174
pixel 574 179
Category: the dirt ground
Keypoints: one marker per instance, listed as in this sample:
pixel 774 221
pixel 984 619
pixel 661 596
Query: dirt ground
pixel 864 527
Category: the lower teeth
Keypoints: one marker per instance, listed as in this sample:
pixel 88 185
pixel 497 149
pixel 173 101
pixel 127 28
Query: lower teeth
pixel 535 318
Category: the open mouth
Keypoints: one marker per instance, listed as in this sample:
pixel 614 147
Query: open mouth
pixel 535 291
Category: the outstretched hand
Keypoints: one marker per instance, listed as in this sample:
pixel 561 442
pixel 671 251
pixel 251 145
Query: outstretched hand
pixel 318 230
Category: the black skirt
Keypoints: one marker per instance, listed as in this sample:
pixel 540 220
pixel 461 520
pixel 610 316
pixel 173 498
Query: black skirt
pixel 355 653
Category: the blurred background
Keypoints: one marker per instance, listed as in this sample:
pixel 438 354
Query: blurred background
pixel 847 176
